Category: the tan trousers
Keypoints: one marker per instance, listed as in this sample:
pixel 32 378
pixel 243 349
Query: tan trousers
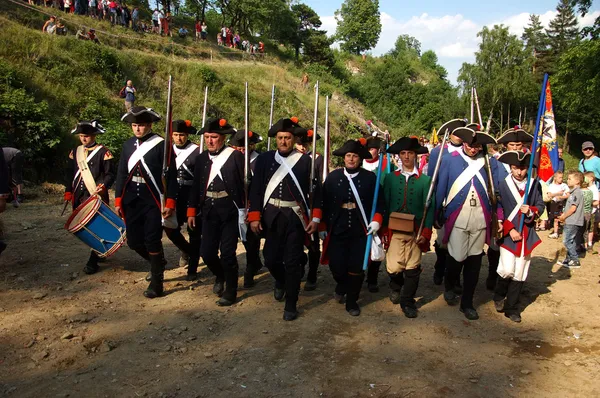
pixel 403 253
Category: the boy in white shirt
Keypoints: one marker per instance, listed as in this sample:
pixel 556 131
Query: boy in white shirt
pixel 590 178
pixel 557 191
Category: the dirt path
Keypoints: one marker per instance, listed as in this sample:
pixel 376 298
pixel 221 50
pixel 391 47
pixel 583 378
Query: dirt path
pixel 63 333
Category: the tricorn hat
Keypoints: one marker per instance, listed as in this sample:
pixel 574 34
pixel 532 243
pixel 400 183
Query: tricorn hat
pixel 515 158
pixel 354 146
pixel 219 126
pixel 451 125
pixel 183 126
pixel 305 135
pixel 373 142
pixel 471 137
pixel 141 114
pixel 238 139
pixel 88 128
pixel 287 125
pixel 516 134
pixel 407 144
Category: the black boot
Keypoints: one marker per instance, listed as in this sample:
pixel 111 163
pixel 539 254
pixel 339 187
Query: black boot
pixel 92 265
pixel 372 276
pixel 440 264
pixel 292 289
pixel 396 283
pixel 472 266
pixel 313 268
pixel 493 260
pixel 157 269
pixel 511 305
pixel 354 284
pixel 407 298
pixel 231 284
pixel 453 269
pixel 219 287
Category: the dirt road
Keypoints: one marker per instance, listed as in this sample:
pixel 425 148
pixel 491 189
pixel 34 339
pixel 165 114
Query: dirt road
pixel 63 333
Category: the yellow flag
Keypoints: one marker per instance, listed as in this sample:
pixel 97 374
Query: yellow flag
pixel 434 138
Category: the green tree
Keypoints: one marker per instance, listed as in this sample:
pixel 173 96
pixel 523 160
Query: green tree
pixel 537 45
pixel 429 60
pixel 308 22
pixel 406 44
pixel 358 25
pixel 563 31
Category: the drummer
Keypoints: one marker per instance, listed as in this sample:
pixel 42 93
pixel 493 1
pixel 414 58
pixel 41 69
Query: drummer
pixel 96 179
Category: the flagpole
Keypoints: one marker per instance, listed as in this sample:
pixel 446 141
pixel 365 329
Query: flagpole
pixel 534 146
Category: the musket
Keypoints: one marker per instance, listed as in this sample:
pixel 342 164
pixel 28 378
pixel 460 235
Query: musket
pixel 204 116
pixel 433 183
pixel 246 157
pixel 491 189
pixel 383 135
pixel 168 148
pixel 314 144
pixel 472 108
pixel 271 115
pixel 326 144
pixel 65 207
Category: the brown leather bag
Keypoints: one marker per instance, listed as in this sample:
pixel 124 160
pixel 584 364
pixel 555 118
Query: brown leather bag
pixel 402 222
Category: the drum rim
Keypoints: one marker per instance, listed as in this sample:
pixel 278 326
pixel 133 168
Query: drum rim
pixel 114 248
pixel 87 218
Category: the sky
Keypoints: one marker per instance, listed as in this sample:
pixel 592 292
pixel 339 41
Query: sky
pixel 448 27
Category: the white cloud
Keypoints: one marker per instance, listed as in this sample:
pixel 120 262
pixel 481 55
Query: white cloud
pixel 452 37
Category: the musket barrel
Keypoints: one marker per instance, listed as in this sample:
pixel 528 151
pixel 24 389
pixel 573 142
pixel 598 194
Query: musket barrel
pixel 204 116
pixel 271 116
pixel 326 143
pixel 314 138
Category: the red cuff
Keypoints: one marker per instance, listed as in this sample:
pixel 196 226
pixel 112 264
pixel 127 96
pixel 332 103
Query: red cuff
pixel 317 213
pixel 253 216
pixel 170 204
pixel 378 218
pixel 426 233
pixel 534 209
pixel 322 227
pixel 118 202
pixel 191 212
pixel 68 196
pixel 507 226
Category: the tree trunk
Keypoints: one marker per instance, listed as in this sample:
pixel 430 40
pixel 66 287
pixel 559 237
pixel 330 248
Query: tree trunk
pixel 204 9
pixel 508 119
pixel 566 142
pixel 501 117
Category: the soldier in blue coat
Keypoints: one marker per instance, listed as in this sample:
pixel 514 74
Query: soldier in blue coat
pixel 463 205
pixel 513 139
pixel 453 144
pixel 516 245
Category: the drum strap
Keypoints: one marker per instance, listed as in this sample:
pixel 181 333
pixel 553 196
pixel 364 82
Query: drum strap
pixel 84 170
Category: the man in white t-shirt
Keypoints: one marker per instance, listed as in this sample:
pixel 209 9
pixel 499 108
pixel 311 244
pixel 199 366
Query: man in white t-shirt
pixel 557 191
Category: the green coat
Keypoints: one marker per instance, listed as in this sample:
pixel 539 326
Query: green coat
pixel 407 198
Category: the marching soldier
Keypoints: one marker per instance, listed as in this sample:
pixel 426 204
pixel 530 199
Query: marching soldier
pixel 279 205
pixel 138 192
pixel 303 145
pixel 252 243
pixel 218 198
pixel 516 246
pixel 462 202
pixel 371 163
pixel 405 194
pixel 96 178
pixel 454 144
pixel 185 161
pixel 348 195
pixel 513 139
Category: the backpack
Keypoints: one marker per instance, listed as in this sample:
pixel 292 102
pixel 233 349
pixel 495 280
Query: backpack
pixel 122 92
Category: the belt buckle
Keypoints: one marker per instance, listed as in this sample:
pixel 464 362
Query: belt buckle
pixel 277 202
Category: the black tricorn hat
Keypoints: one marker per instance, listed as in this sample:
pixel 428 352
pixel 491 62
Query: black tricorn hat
pixel 353 146
pixel 374 142
pixel 219 126
pixel 88 128
pixel 287 125
pixel 516 134
pixel 474 126
pixel 305 135
pixel 407 144
pixel 515 158
pixel 471 137
pixel 451 126
pixel 141 114
pixel 239 137
pixel 183 126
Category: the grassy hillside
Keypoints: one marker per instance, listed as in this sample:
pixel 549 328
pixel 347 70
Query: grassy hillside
pixel 60 79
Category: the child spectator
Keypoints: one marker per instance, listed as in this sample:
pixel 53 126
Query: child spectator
pixel 590 179
pixel 557 191
pixel 219 39
pixel 573 218
pixel 129 95
pixel 183 32
pixel 588 198
pixel 204 32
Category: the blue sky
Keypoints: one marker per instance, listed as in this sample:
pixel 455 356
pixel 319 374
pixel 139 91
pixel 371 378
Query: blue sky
pixel 447 27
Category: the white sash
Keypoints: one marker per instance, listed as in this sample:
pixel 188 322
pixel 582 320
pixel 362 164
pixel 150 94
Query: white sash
pixel 182 154
pixel 217 163
pixel 516 195
pixel 466 176
pixel 141 151
pixel 88 179
pixel 285 167
pixel 356 197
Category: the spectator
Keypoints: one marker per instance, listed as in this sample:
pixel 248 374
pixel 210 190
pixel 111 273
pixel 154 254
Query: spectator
pixel 261 47
pixel 588 199
pixel 92 8
pixel 590 161
pixel 125 16
pixel 167 24
pixel 112 8
pixel 183 32
pixel 557 193
pixel 129 95
pixel 81 34
pixel 573 219
pixel 14 159
pixel 204 32
pixel 219 39
pixel 67 6
pixel 155 19
pixel 50 26
pixel 236 41
pixel 561 162
pixel 135 19
pixel 590 179
pixel 92 36
pixel 223 34
pixel 198 29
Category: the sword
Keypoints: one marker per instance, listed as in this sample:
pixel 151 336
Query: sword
pixel 65 207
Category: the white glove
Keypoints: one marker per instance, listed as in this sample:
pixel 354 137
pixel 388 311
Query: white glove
pixel 373 228
pixel 322 235
pixel 242 216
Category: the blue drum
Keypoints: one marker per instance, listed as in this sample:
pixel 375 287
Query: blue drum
pixel 96 225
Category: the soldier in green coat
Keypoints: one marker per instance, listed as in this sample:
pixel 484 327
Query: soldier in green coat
pixel 405 194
